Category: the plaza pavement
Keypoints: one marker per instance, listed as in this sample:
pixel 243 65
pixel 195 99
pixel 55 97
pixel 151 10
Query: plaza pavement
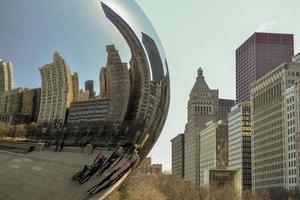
pixel 43 175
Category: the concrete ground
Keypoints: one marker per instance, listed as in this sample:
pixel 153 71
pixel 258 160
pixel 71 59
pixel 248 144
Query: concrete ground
pixel 43 175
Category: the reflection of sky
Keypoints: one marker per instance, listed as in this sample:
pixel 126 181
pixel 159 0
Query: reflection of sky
pixel 32 30
pixel 135 17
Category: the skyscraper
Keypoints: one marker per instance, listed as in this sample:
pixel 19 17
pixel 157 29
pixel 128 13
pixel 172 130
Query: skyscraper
pixel 57 90
pixel 116 84
pixel 202 108
pixel 178 155
pixel 239 142
pixel 224 108
pixel 291 110
pixel 89 86
pixel 75 84
pixel 273 129
pixel 257 56
pixel 6 76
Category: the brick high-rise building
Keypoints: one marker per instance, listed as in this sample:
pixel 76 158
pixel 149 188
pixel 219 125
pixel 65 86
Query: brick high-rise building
pixel 257 56
pixel 178 155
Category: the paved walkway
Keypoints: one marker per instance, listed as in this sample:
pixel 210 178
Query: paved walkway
pixel 43 175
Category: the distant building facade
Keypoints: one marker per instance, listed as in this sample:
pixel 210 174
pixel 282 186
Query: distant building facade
pixel 10 106
pixel 157 169
pixel 87 111
pixel 83 95
pixel 89 86
pixel 75 85
pixel 224 108
pixel 291 118
pixel 202 108
pixel 178 155
pixel 257 56
pixel 6 76
pixel 294 139
pixel 239 142
pixel 102 80
pixel 56 91
pixel 274 129
pixel 30 104
pixel 147 168
pixel 213 148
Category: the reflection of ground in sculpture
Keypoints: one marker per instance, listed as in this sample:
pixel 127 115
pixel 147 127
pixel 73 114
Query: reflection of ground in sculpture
pixel 110 169
pixel 47 175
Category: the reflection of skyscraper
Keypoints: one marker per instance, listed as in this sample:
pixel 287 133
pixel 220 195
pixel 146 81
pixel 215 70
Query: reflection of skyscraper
pixel 75 84
pixel 31 104
pixel 94 110
pixel 10 106
pixel 202 108
pixel 149 95
pixel 102 79
pixel 83 95
pixel 57 90
pixel 139 68
pixel 116 86
pixel 6 76
pixel 89 86
pixel 154 58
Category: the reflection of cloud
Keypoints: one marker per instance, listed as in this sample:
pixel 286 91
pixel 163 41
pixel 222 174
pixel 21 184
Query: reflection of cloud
pixel 264 26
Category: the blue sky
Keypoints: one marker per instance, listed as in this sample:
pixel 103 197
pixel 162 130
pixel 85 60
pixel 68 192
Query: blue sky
pixel 31 34
pixel 205 33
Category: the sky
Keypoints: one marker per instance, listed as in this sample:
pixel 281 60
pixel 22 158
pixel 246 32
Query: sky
pixel 206 33
pixel 194 33
pixel 76 29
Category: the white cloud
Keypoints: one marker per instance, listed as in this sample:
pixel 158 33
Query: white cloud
pixel 264 26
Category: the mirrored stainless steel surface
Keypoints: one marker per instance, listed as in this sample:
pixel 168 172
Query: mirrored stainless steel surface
pixel 84 95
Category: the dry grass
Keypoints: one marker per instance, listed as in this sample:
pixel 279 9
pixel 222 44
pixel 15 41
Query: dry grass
pixel 169 187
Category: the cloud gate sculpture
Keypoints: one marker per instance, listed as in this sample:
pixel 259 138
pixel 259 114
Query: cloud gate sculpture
pixel 84 95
